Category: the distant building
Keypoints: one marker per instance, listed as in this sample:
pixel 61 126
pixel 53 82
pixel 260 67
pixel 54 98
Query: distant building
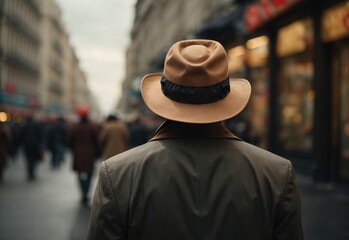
pixel 20 43
pixel 39 70
pixel 53 55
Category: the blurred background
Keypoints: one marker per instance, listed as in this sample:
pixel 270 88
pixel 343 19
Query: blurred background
pixel 295 53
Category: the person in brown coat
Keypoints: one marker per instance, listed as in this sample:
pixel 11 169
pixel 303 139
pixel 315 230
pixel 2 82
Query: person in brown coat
pixel 5 141
pixel 194 179
pixel 113 137
pixel 83 142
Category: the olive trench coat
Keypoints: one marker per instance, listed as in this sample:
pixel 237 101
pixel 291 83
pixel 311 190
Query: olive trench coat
pixel 196 182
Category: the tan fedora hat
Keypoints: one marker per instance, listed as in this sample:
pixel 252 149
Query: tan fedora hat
pixel 195 85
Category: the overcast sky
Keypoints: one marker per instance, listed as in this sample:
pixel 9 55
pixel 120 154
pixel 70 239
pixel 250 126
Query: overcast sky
pixel 99 31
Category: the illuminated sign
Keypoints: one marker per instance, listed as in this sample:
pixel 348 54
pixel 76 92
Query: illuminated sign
pixel 263 10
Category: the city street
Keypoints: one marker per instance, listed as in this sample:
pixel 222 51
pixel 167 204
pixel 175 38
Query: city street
pixel 49 207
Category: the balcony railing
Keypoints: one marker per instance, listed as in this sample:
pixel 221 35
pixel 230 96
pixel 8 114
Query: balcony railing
pixel 56 87
pixel 16 59
pixel 57 67
pixel 21 27
pixel 34 6
pixel 57 46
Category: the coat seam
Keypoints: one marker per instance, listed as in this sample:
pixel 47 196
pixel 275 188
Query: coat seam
pixel 114 197
pixel 285 190
pixel 130 212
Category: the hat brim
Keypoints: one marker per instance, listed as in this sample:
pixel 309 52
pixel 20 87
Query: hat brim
pixel 231 105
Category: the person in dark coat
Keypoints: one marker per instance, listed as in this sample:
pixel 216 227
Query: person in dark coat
pixel 195 179
pixel 5 144
pixel 83 142
pixel 57 136
pixel 14 127
pixel 31 141
pixel 138 133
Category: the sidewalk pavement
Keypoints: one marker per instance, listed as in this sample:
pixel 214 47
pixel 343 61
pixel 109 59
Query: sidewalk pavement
pixel 46 209
pixel 49 208
pixel 325 210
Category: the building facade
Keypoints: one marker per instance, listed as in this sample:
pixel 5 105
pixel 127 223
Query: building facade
pixel 39 69
pixel 20 45
pixel 54 52
pixel 293 52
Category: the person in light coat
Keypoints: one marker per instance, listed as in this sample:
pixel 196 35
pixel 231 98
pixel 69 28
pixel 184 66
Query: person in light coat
pixel 195 179
pixel 113 137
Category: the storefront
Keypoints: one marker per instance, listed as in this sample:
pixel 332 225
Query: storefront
pixel 335 36
pixel 295 93
pixel 250 61
pixel 258 74
pixel 296 56
pixel 14 107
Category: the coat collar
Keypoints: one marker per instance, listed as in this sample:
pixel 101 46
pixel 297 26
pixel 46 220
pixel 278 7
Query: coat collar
pixel 171 129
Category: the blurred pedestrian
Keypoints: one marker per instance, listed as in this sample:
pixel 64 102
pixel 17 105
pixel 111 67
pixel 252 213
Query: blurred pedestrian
pixel 46 124
pixel 14 127
pixel 57 136
pixel 83 141
pixel 5 143
pixel 195 179
pixel 138 133
pixel 31 140
pixel 113 137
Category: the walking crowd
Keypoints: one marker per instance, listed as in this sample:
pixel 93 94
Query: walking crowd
pixel 87 141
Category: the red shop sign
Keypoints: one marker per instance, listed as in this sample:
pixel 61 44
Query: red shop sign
pixel 280 3
pixel 9 87
pixel 252 17
pixel 272 7
pixel 268 8
pixel 346 21
pixel 264 10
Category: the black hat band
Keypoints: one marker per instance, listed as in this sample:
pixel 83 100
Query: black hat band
pixel 195 95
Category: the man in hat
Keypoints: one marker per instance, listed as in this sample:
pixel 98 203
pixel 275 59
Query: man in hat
pixel 194 179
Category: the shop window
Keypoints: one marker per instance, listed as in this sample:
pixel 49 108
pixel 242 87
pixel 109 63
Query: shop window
pixel 258 108
pixel 335 22
pixel 237 69
pixel 237 62
pixel 296 96
pixel 252 124
pixel 343 75
pixel 257 51
pixel 295 38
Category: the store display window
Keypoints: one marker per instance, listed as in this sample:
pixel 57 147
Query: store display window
pixel 295 106
pixel 258 108
pixel 343 77
pixel 237 62
pixel 237 69
pixel 335 22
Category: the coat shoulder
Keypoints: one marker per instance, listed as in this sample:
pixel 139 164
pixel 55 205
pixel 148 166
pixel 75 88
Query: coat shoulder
pixel 263 163
pixel 259 154
pixel 131 158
